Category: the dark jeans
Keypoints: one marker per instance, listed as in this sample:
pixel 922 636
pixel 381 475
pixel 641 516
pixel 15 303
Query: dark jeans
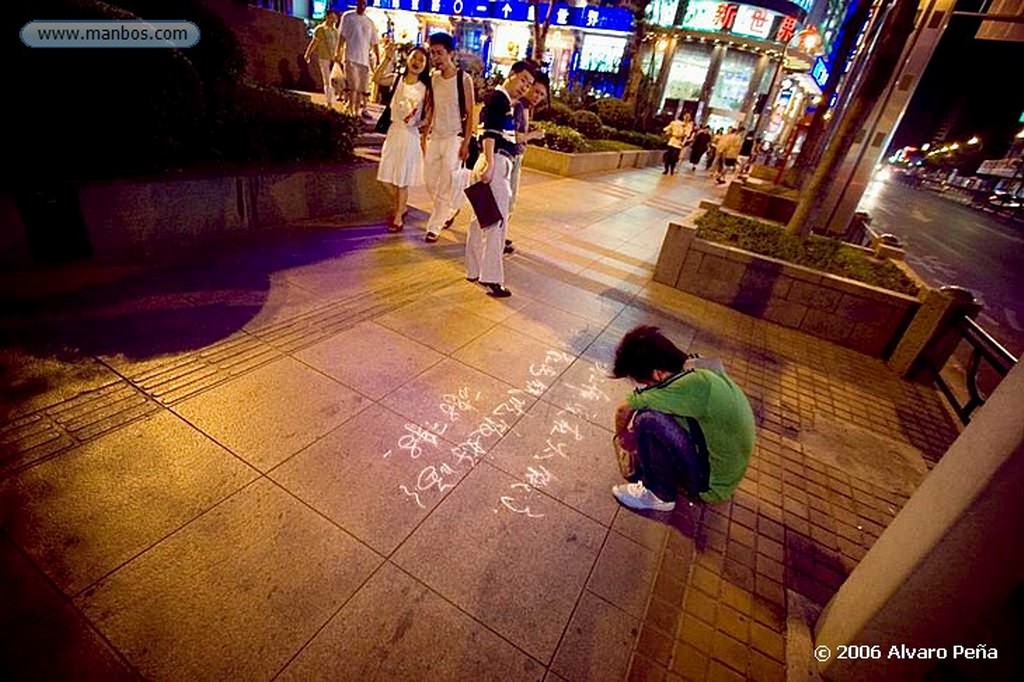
pixel 671 159
pixel 669 458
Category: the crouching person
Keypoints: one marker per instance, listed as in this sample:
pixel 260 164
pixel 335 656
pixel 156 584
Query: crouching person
pixel 688 424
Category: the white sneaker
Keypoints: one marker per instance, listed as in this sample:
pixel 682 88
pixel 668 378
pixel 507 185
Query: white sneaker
pixel 636 496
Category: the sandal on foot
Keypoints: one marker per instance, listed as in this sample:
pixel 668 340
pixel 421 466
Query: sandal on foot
pixel 430 238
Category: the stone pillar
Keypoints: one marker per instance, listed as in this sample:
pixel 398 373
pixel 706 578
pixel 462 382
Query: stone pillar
pixel 946 568
pixel 717 55
pixel 751 96
pixel 666 69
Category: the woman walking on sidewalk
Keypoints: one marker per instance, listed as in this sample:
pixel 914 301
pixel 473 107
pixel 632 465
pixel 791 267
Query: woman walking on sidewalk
pixel 401 157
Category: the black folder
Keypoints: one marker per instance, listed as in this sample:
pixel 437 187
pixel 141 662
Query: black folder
pixel 481 198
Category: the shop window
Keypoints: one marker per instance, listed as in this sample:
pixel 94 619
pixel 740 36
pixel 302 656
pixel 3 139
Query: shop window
pixel 733 80
pixel 689 69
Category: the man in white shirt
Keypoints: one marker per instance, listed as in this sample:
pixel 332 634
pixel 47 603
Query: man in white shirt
pixel 448 131
pixel 325 44
pixel 359 38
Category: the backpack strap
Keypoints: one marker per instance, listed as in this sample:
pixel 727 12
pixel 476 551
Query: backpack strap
pixel 461 89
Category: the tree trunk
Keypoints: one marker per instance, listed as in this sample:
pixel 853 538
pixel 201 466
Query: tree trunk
pixel 541 25
pixel 811 213
pixel 811 150
pixel 636 71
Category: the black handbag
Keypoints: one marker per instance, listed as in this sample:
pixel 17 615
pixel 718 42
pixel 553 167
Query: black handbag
pixel 384 122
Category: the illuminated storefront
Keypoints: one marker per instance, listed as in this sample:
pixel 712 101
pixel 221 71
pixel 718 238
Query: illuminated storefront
pixel 581 40
pixel 717 60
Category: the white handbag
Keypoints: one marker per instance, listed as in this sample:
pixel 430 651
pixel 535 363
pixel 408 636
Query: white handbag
pixel 461 179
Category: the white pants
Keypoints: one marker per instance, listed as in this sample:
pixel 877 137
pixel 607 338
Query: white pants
pixel 517 173
pixel 325 74
pixel 439 165
pixel 484 245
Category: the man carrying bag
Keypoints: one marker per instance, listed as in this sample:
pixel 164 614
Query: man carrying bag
pixel 486 240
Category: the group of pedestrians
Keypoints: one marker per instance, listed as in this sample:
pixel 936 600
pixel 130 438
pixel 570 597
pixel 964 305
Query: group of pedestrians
pixel 346 48
pixel 726 151
pixel 431 137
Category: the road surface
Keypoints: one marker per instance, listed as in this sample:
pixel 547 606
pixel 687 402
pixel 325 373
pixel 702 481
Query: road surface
pixel 948 243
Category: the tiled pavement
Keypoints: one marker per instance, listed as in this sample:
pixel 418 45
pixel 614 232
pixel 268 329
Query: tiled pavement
pixel 327 456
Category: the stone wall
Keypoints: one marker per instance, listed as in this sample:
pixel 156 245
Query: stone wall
pixel 137 219
pixel 851 314
pixel 749 200
pixel 571 165
pixel 273 44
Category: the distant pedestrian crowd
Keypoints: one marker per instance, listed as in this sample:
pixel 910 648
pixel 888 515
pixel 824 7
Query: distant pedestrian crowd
pixel 726 151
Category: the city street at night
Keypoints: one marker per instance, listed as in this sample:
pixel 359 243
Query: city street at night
pixel 513 340
pixel 948 243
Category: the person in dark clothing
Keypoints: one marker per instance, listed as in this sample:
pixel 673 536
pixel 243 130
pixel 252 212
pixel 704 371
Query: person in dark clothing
pixel 701 142
pixel 746 153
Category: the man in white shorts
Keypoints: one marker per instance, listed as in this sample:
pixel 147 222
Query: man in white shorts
pixel 359 39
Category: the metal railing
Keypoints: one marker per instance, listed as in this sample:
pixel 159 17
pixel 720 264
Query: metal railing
pixel 983 349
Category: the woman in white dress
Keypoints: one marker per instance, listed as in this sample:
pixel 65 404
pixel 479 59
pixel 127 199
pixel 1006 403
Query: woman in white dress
pixel 401 158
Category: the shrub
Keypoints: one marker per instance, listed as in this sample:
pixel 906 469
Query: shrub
pixel 614 112
pixel 820 253
pixel 556 112
pixel 118 113
pixel 270 125
pixel 561 138
pixel 611 146
pixel 96 113
pixel 641 140
pixel 587 123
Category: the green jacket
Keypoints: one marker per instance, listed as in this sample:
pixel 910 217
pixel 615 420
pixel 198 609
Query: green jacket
pixel 723 413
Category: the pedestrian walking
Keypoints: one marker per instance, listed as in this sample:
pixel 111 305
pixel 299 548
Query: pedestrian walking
pixel 401 157
pixel 484 243
pixel 449 130
pixel 701 142
pixel 728 151
pixel 688 425
pixel 745 155
pixel 678 130
pixel 358 36
pixel 712 154
pixel 523 113
pixel 324 44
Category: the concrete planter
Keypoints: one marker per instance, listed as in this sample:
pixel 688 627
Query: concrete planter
pixel 862 317
pixel 749 200
pixel 562 163
pixel 143 217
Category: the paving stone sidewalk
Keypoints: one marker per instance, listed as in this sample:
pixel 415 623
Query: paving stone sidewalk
pixel 327 456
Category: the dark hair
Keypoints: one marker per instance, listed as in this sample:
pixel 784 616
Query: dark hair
pixel 542 78
pixel 442 39
pixel 424 76
pixel 643 350
pixel 524 65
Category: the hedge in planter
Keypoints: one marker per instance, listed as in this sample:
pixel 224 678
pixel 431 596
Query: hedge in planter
pixel 561 138
pixel 819 253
